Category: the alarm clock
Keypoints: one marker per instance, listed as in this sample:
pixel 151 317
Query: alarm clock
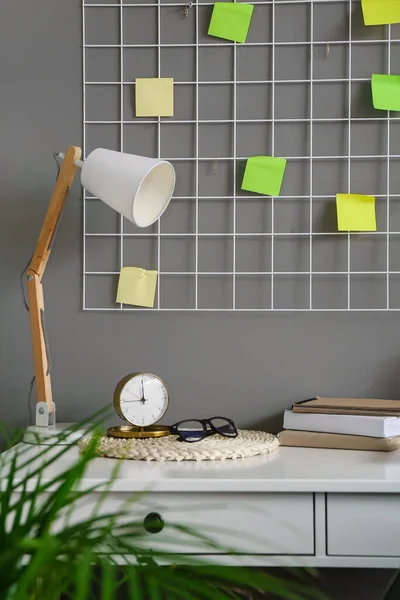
pixel 141 399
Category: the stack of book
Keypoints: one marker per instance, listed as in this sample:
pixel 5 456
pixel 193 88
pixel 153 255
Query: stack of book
pixel 344 423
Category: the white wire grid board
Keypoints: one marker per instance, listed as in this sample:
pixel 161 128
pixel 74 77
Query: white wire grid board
pixel 298 89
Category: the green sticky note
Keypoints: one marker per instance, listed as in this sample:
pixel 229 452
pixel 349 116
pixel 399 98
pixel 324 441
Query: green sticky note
pixel 386 92
pixel 264 175
pixel 231 21
pixel 381 12
pixel 355 212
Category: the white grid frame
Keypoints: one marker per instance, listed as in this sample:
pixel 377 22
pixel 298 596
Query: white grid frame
pixel 385 120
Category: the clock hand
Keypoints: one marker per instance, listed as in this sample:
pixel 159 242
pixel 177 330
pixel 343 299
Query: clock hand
pixel 142 391
pixel 126 401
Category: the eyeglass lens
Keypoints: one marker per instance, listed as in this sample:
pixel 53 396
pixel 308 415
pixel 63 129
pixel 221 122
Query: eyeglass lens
pixel 224 427
pixel 191 431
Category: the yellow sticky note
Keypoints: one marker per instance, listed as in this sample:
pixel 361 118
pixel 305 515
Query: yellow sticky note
pixel 355 212
pixel 137 286
pixel 381 12
pixel 155 97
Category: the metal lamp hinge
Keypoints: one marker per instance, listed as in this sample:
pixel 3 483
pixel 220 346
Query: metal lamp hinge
pixel 43 417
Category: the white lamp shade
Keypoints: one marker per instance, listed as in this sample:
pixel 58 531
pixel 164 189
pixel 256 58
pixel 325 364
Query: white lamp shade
pixel 137 187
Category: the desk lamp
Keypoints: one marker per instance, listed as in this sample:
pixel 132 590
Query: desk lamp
pixel 137 187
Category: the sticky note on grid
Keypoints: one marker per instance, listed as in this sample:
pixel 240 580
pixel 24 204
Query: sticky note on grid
pixel 137 286
pixel 264 175
pixel 386 91
pixel 355 212
pixel 155 97
pixel 231 21
pixel 381 12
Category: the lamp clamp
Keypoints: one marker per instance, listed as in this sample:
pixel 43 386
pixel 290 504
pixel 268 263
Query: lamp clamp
pixel 43 417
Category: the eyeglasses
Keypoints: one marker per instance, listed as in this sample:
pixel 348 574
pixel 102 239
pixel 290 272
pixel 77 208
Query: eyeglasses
pixel 194 430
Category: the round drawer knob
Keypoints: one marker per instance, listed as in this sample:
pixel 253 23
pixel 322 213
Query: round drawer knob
pixel 153 523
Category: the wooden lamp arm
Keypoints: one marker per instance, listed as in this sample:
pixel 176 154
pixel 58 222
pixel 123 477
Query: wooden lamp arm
pixel 35 273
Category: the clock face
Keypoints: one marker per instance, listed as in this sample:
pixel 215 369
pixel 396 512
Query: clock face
pixel 142 399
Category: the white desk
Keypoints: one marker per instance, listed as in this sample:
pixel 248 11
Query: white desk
pixel 298 506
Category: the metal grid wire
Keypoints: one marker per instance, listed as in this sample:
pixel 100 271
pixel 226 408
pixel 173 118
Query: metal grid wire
pixel 294 266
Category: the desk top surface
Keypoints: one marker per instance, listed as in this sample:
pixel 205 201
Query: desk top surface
pixel 285 470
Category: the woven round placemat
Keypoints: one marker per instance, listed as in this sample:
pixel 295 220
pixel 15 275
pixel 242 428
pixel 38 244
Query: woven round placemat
pixel 169 448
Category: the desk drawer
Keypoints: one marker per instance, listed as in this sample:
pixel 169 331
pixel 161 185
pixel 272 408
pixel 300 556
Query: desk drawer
pixel 247 523
pixel 363 524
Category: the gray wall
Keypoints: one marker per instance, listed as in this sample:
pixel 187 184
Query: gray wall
pixel 249 367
